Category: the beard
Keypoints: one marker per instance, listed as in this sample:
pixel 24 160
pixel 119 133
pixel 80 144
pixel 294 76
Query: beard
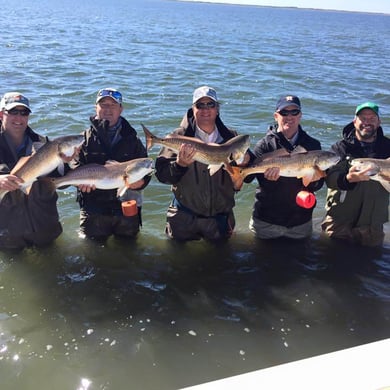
pixel 366 133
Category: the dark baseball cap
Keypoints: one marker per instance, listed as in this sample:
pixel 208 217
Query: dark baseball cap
pixel 289 100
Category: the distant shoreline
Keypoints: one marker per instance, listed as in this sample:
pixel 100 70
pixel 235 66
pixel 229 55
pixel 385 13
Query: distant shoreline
pixel 283 7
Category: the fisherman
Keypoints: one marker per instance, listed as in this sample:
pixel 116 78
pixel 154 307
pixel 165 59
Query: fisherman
pixel 25 220
pixel 276 212
pixel 357 207
pixel 202 204
pixel 110 137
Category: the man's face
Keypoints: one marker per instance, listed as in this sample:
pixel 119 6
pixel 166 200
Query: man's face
pixel 366 125
pixel 108 109
pixel 205 112
pixel 15 121
pixel 288 120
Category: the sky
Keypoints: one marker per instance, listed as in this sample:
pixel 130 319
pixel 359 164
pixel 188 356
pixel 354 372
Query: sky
pixel 380 6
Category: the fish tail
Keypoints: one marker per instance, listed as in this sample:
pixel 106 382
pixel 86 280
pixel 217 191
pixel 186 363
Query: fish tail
pixel 2 194
pixel 148 137
pixel 235 175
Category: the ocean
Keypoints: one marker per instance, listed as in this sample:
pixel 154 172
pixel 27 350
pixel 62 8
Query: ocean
pixel 152 314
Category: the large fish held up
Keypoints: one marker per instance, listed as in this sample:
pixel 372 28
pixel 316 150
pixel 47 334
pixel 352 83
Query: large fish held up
pixel 379 169
pixel 112 175
pixel 213 155
pixel 48 156
pixel 306 165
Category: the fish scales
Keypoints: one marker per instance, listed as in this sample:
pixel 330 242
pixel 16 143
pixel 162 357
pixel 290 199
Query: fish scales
pixel 213 155
pixel 379 169
pixel 45 160
pixel 112 175
pixel 308 165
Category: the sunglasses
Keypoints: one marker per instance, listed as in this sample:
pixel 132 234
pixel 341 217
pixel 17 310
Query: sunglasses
pixel 15 112
pixel 289 112
pixel 201 106
pixel 114 94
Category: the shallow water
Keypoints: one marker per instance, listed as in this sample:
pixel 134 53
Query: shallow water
pixel 150 313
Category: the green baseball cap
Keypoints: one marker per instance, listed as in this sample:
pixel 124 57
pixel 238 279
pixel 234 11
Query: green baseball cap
pixel 372 106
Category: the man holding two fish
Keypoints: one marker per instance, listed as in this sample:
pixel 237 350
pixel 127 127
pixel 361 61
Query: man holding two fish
pixel 28 209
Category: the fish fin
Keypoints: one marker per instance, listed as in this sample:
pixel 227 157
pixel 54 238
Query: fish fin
pixel 148 137
pixel 307 179
pixel 318 174
pixel 26 189
pixel 299 149
pixel 19 164
pixel 61 168
pixel 275 153
pixel 385 184
pixel 314 175
pixel 36 146
pixel 236 176
pixel 2 194
pixel 121 191
pixel 213 168
pixel 111 162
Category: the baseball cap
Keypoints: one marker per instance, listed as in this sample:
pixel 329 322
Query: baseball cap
pixel 109 92
pixel 372 106
pixel 289 100
pixel 204 91
pixel 11 100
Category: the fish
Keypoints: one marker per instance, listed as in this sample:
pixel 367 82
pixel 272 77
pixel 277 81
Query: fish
pixel 379 169
pixel 47 157
pixel 112 175
pixel 306 165
pixel 213 155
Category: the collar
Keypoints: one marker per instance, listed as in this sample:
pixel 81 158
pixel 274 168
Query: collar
pixel 213 137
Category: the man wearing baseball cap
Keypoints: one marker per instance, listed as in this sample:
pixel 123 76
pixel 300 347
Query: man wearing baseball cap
pixel 202 204
pixel 110 137
pixel 356 206
pixel 275 212
pixel 31 219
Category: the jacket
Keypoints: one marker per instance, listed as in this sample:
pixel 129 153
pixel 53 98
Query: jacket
pixel 97 149
pixel 26 219
pixel 275 201
pixel 193 187
pixel 370 198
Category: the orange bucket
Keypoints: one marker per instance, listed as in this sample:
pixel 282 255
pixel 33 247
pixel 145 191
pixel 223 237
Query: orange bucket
pixel 305 199
pixel 129 208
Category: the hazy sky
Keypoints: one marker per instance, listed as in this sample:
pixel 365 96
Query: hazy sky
pixel 382 6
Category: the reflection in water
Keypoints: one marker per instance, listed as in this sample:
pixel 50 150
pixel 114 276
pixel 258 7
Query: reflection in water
pixel 186 312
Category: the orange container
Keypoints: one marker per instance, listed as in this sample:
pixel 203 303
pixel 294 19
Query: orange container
pixel 305 199
pixel 129 208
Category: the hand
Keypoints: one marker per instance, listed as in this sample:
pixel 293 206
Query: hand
pixel 272 174
pixel 186 155
pixel 87 187
pixel 354 175
pixel 10 182
pixel 74 156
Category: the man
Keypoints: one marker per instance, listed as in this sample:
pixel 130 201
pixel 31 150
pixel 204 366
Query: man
pixel 357 207
pixel 24 219
pixel 110 137
pixel 275 212
pixel 202 205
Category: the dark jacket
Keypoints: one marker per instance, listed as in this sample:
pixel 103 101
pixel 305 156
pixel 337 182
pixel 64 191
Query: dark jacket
pixel 275 201
pixel 350 147
pixel 192 186
pixel 31 219
pixel 97 149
